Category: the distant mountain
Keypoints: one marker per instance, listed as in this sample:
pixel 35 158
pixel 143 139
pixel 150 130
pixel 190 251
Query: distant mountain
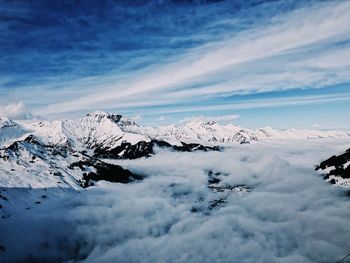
pixel 68 153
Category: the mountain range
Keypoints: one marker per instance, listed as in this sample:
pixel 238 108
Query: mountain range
pixel 71 153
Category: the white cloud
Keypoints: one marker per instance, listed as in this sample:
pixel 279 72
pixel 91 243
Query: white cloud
pixel 162 118
pixel 16 111
pixel 256 104
pixel 136 117
pixel 250 61
pixel 316 125
pixel 291 215
pixel 288 217
pixel 222 118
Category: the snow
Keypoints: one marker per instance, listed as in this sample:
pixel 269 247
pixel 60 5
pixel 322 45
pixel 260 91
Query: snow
pixel 10 131
pixel 74 138
pixel 106 130
pixel 214 133
pixel 268 132
pixel 33 166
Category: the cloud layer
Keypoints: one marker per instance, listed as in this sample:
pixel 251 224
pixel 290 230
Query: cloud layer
pixel 291 214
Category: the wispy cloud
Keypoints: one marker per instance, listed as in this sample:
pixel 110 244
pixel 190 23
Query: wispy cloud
pixel 257 51
pixel 222 119
pixel 259 104
pixel 290 47
pixel 136 118
pixel 16 111
pixel 162 118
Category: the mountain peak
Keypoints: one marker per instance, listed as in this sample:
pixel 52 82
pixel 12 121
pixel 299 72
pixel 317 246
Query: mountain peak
pixel 104 114
pixel 5 122
pixel 98 113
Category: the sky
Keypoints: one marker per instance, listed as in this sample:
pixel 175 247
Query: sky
pixel 284 64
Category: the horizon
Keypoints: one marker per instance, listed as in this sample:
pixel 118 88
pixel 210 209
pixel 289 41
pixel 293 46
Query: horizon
pixel 221 120
pixel 282 64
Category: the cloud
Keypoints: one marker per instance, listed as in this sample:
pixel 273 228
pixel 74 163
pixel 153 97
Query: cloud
pixel 282 220
pixel 223 118
pixel 186 56
pixel 136 118
pixel 291 214
pixel 316 125
pixel 16 111
pixel 260 59
pixel 162 118
pixel 257 104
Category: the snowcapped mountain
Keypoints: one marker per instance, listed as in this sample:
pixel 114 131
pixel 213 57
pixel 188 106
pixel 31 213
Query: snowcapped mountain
pixel 107 131
pixel 214 133
pixel 97 129
pixel 269 133
pixel 68 153
pixel 203 132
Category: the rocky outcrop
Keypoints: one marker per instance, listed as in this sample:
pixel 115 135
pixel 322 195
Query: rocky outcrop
pixel 337 169
pixel 145 149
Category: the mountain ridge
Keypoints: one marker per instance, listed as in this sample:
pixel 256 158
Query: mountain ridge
pixel 108 129
pixel 43 153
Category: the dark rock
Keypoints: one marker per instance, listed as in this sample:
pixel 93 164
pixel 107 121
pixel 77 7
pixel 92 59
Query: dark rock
pixel 213 178
pixel 337 162
pixel 57 173
pixel 145 149
pixel 104 171
pixel 217 202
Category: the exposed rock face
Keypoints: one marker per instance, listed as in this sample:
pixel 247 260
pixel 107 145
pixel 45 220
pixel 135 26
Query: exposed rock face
pixel 223 190
pixel 103 171
pixel 337 169
pixel 145 149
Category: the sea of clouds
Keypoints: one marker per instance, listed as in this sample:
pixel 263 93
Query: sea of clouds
pixel 290 215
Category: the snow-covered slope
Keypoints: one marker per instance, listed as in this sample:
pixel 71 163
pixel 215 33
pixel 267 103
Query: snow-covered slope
pixel 268 132
pixel 203 132
pixel 105 130
pixel 216 134
pixel 96 129
pixel 67 153
pixel 10 131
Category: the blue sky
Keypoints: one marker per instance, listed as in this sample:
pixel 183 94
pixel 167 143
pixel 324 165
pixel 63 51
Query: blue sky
pixel 274 63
